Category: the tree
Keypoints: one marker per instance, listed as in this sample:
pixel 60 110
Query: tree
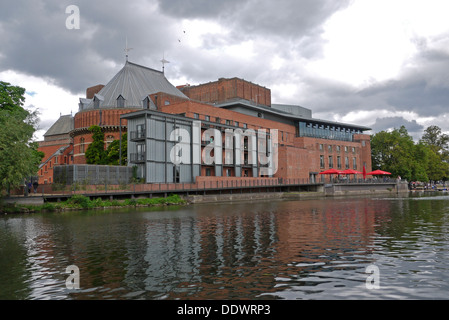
pixel 95 153
pixel 19 157
pixel 397 153
pixel 113 151
pixel 435 138
pixel 393 152
pixel 439 157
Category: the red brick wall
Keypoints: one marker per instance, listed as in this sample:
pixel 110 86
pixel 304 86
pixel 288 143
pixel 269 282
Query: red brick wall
pixel 228 89
pixel 162 99
pixel 45 174
pixel 189 108
pixel 90 92
pixel 312 145
pixel 109 117
pixel 110 121
pixel 365 151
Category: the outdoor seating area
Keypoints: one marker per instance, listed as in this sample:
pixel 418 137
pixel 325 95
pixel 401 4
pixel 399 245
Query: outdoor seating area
pixel 354 176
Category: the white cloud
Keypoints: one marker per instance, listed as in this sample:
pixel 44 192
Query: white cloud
pixel 42 95
pixel 366 42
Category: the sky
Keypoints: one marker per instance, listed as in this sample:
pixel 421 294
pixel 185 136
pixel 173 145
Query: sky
pixel 376 63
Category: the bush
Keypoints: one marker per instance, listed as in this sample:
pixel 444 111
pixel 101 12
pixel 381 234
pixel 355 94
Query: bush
pixel 80 200
pixel 130 202
pixel 48 207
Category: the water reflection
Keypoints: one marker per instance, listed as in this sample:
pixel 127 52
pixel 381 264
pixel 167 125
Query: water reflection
pixel 311 249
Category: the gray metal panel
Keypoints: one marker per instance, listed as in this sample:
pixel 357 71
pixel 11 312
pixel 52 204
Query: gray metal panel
pixel 296 110
pixel 196 172
pixel 92 174
pixel 134 82
pixel 185 173
pixel 63 125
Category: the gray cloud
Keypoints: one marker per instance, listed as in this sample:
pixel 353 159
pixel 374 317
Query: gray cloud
pixel 387 123
pixel 36 42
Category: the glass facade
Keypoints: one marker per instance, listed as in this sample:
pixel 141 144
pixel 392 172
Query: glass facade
pixel 321 131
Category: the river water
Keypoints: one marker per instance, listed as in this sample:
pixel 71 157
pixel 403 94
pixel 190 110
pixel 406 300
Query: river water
pixel 358 248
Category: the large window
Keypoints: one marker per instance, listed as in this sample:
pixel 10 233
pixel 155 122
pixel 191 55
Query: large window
pixel 82 146
pixel 322 131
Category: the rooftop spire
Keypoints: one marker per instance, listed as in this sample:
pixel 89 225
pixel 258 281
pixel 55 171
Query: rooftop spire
pixel 127 50
pixel 164 62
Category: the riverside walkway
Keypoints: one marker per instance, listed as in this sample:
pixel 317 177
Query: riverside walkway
pixel 207 186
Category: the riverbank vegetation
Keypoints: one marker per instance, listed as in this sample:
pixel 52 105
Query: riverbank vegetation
pixel 80 202
pixel 425 160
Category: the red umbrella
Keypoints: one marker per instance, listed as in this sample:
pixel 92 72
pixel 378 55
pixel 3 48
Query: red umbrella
pixel 332 171
pixel 378 173
pixel 364 172
pixel 350 171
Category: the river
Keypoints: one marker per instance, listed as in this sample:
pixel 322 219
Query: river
pixel 335 248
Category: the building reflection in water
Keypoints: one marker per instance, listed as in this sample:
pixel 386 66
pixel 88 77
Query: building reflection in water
pixel 226 251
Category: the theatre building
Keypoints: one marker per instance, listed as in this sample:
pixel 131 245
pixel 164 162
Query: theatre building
pixel 225 128
pixel 234 122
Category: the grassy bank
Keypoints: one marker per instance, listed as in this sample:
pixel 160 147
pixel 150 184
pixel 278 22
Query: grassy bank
pixel 79 202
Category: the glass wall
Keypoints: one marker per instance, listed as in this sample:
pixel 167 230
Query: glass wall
pixel 321 131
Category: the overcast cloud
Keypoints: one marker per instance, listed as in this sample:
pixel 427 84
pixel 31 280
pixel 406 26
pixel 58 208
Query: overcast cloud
pixel 380 63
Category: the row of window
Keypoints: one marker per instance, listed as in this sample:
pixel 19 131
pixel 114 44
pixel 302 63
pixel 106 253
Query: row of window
pixel 331 148
pixel 321 131
pixel 122 101
pixel 339 164
pixel 56 162
pixel 218 120
pixel 282 135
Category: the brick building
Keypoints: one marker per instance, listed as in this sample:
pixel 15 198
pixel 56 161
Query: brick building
pixel 57 147
pixel 306 145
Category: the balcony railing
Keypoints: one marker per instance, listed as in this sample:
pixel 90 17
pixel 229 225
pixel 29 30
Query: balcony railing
pixel 137 157
pixel 137 135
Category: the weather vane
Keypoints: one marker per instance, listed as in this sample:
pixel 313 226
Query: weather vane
pixel 127 50
pixel 164 62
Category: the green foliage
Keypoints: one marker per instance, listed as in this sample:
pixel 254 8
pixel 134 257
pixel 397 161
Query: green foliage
pixel 19 157
pixel 113 151
pixel 80 200
pixel 95 153
pixel 397 153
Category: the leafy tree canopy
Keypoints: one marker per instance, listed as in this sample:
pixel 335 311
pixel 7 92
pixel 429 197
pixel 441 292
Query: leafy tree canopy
pixel 96 153
pixel 19 157
pixel 397 153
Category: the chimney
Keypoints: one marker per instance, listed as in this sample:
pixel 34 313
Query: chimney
pixel 92 91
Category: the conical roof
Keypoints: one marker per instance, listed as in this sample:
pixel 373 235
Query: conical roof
pixel 133 83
